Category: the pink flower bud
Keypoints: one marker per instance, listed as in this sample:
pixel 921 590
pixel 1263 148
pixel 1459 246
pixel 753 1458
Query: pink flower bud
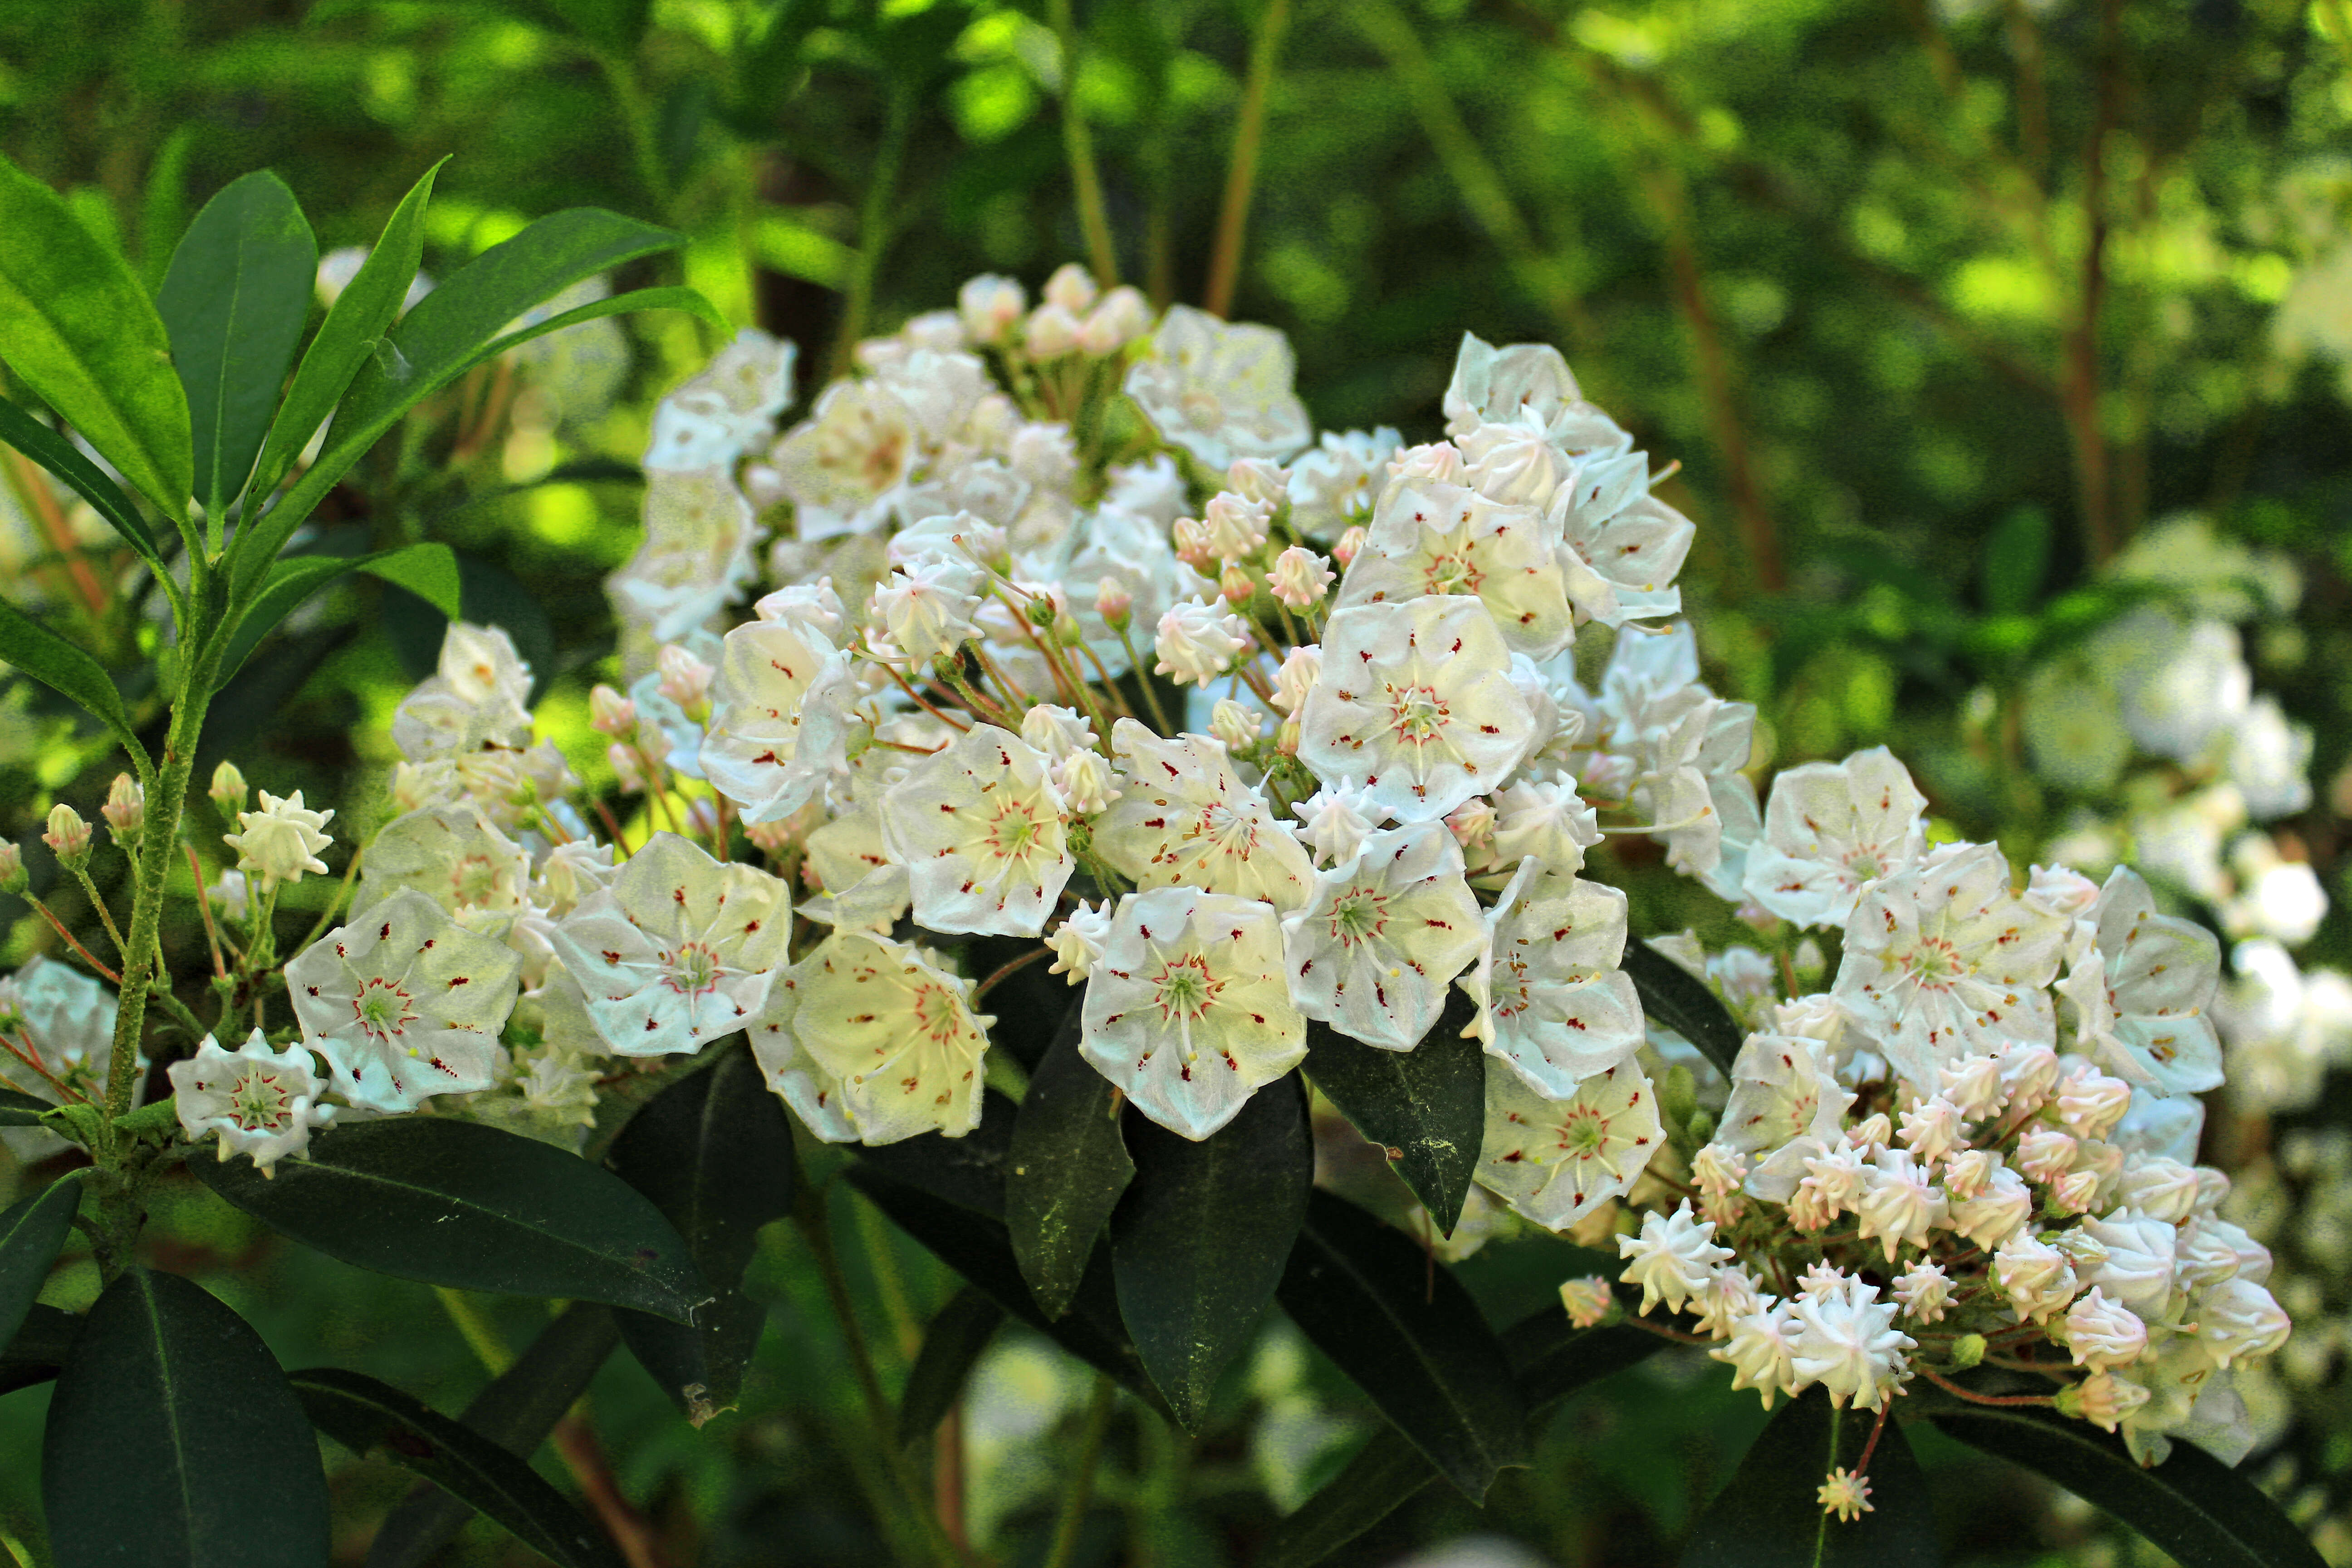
pixel 1051 333
pixel 989 305
pixel 685 679
pixel 1113 603
pixel 611 712
pixel 1071 287
pixel 1285 739
pixel 69 835
pixel 228 788
pixel 1350 545
pixel 1117 320
pixel 1300 577
pixel 1193 543
pixel 12 867
pixel 125 809
pixel 1237 586
pixel 624 768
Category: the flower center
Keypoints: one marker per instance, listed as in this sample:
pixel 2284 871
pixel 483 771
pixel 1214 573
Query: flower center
pixel 1186 988
pixel 259 1104
pixel 1358 914
pixel 938 1015
pixel 382 1009
pixel 1936 961
pixel 1582 1135
pixel 695 969
pixel 1453 572
pixel 476 880
pixel 1416 713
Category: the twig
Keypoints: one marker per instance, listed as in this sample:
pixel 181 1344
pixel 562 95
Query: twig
pixel 2081 377
pixel 1241 176
pixel 60 927
pixel 1007 968
pixel 873 222
pixel 1948 1386
pixel 584 1456
pixel 342 892
pixel 32 1058
pixel 211 933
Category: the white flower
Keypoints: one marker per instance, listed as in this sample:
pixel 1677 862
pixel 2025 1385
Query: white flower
pixel 989 305
pixel 1847 1343
pixel 1300 577
pixel 1375 950
pixel 678 951
pixel 1188 1010
pixel 1492 386
pixel 697 556
pixel 1056 731
pixel 2107 1399
pixel 2269 759
pixel 1302 667
pixel 404 1004
pixel 473 697
pixel 454 856
pixel 1183 816
pixel 1620 548
pixel 1334 484
pixel 2035 1276
pixel 259 1102
pixel 1673 1258
pixel 2131 1259
pixel 2276 898
pixel 1899 1205
pixel 2238 1318
pixel 1546 819
pixel 1942 960
pixel 1758 1350
pixel 843 466
pixel 1787 1105
pixel 1416 700
pixel 979 827
pixel 2091 1103
pixel 1234 527
pixel 1923 1289
pixel 927 606
pixel 1552 1004
pixel 1198 642
pixel 1337 818
pixel 2102 1333
pixel 2181 682
pixel 1220 390
pixel 282 840
pixel 779 718
pixel 2141 991
pixel 1512 461
pixel 1085 780
pixel 1830 830
pixel 1430 538
pixel 1933 1129
pixel 2285 1029
pixel 1079 942
pixel 713 418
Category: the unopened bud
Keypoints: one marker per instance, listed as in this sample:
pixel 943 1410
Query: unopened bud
pixel 1117 320
pixel 228 789
pixel 989 305
pixel 12 867
pixel 1051 333
pixel 1967 1351
pixel 1285 739
pixel 624 768
pixel 1702 1126
pixel 1233 724
pixel 1350 545
pixel 125 809
pixel 1237 586
pixel 1072 287
pixel 611 712
pixel 685 678
pixel 1193 546
pixel 69 835
pixel 1041 609
pixel 1114 604
pixel 1254 478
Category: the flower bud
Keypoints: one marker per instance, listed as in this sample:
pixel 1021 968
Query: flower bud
pixel 1967 1351
pixel 1051 333
pixel 69 835
pixel 685 678
pixel 989 305
pixel 1587 1300
pixel 1678 1095
pixel 2103 1399
pixel 1113 603
pixel 1254 478
pixel 125 809
pixel 1071 287
pixel 773 839
pixel 228 789
pixel 611 712
pixel 1300 577
pixel 12 867
pixel 1233 724
pixel 1285 739
pixel 624 762
pixel 1236 586
pixel 1120 318
pixel 1193 546
pixel 1350 545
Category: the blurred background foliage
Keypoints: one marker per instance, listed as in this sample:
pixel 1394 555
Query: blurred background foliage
pixel 1973 323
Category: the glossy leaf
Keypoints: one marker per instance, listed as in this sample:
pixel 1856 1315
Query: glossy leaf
pixel 428 570
pixel 18 1108
pixel 234 302
pixel 38 1349
pixel 173 1441
pixel 1068 1167
pixel 31 1233
pixel 952 1348
pixel 2197 1509
pixel 1412 1338
pixel 714 1152
pixel 1200 1239
pixel 62 458
pixel 968 1172
pixel 76 326
pixel 1769 1514
pixel 58 664
pixel 1427 1106
pixel 368 1416
pixel 1675 999
pixel 458 1203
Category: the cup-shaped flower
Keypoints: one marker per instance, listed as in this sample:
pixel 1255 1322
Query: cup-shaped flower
pixel 1620 547
pixel 779 718
pixel 1427 537
pixel 1556 1161
pixel 1830 829
pixel 404 1003
pixel 1188 1008
pixel 1183 816
pixel 1494 384
pixel 1374 950
pixel 843 464
pixel 473 697
pixel 678 950
pixel 259 1102
pixel 1553 1006
pixel 282 840
pixel 1785 1105
pixel 1220 390
pixel 454 856
pixel 979 827
pixel 2140 995
pixel 1847 1343
pixel 65 1020
pixel 1416 700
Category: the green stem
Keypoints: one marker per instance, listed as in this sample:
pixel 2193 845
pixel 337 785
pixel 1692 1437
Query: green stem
pixel 638 119
pixel 1241 177
pixel 1143 679
pixel 1078 147
pixel 873 223
pixel 481 1334
pixel 1081 1488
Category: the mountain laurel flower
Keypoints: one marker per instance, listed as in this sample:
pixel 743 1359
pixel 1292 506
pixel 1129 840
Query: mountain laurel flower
pixel 2160 1188
pixel 1183 816
pixel 1847 1343
pixel 780 715
pixel 1757 1350
pixel 1113 602
pixel 1934 1129
pixel 1586 1300
pixel 125 809
pixel 1051 331
pixel 1843 1495
pixel 1996 1211
pixel 1428 538
pixel 2240 1318
pixel 1079 942
pixel 1220 390
pixel 2132 1260
pixel 1117 319
pixel 1830 829
pixel 989 306
pixel 1235 586
pixel 1620 548
pixel 280 841
pixel 2028 1074
pixel 1085 780
pixel 1717 1170
pixel 1233 725
pixel 259 1102
pixel 979 827
pixel 2035 1276
pixel 1672 1258
pixel 678 950
pixel 404 1003
pixel 1189 1009
pixel 1557 1162
pixel 1553 1006
pixel 475 698
pixel 2090 1103
pixel 2104 1400
pixel 2102 1334
pixel 1056 731
pixel 1302 667
pixel 1198 642
pixel 2142 993
pixel 1546 819
pixel 228 789
pixel 1925 1291
pixel 1728 1295
pixel 1973 1085
pixel 68 834
pixel 1899 1205
pixel 927 606
pixel 1375 950
pixel 2074 1193
pixel 1349 544
pixel 1300 577
pixel 454 856
pixel 1336 819
pixel 2047 1153
pixel 1416 700
pixel 1234 527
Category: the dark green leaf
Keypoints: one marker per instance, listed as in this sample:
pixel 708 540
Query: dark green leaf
pixel 1412 1338
pixel 429 570
pixel 18 1108
pixel 40 1349
pixel 662 298
pixel 1427 1106
pixel 30 1234
pixel 164 205
pixel 2194 1508
pixel 56 663
pixel 517 1411
pixel 458 1203
pixel 1770 1515
pixel 2017 562
pixel 78 327
pixel 1676 999
pixel 615 24
pixel 714 1152
pixel 951 1347
pixel 1199 1242
pixel 234 303
pixel 1067 1168
pixel 86 479
pixel 968 1172
pixel 173 1441
pixel 368 1416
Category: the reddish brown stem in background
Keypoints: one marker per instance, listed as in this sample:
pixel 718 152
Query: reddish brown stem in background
pixel 628 1528
pixel 60 927
pixel 212 935
pixel 946 1479
pixel 1023 961
pixel 1954 1389
pixel 1241 176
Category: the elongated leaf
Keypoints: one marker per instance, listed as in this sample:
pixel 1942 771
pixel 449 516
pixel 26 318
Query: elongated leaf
pixel 1426 1106
pixel 1770 1515
pixel 30 1234
pixel 428 570
pixel 458 1203
pixel 18 1108
pixel 368 1416
pixel 78 327
pixel 56 663
pixel 952 1348
pixel 517 1411
pixel 1068 1167
pixel 2196 1508
pixel 1412 1338
pixel 234 302
pixel 359 320
pixel 1199 1242
pixel 968 1172
pixel 39 1349
pixel 714 1152
pixel 174 1440
pixel 1678 1000
pixel 86 479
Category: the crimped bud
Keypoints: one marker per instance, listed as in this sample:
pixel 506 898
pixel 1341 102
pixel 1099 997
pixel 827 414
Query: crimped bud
pixel 685 678
pixel 1285 739
pixel 1233 724
pixel 1051 331
pixel 611 712
pixel 1114 604
pixel 1350 545
pixel 125 809
pixel 1237 586
pixel 624 768
pixel 1072 287
pixel 228 789
pixel 1967 1351
pixel 1119 318
pixel 69 835
pixel 12 867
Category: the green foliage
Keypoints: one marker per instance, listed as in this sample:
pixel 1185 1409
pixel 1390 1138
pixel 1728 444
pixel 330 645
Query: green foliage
pixel 953 1346
pixel 1427 1106
pixel 1768 1518
pixel 1068 1167
pixel 31 1232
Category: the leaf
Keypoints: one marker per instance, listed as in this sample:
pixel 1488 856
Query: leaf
pixel 714 1152
pixel 30 1234
pixel 76 326
pixel 951 1347
pixel 517 1411
pixel 608 24
pixel 86 479
pixel 1426 1106
pixel 2194 1508
pixel 1676 999
pixel 1412 1338
pixel 1066 1169
pixel 429 570
pixel 1199 1242
pixel 39 1348
pixel 18 1108
pixel 458 1203
pixel 368 1416
pixel 174 1442
pixel 1769 1514
pixel 164 205
pixel 361 316
pixel 2017 562
pixel 234 302
pixel 968 1172
pixel 56 663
